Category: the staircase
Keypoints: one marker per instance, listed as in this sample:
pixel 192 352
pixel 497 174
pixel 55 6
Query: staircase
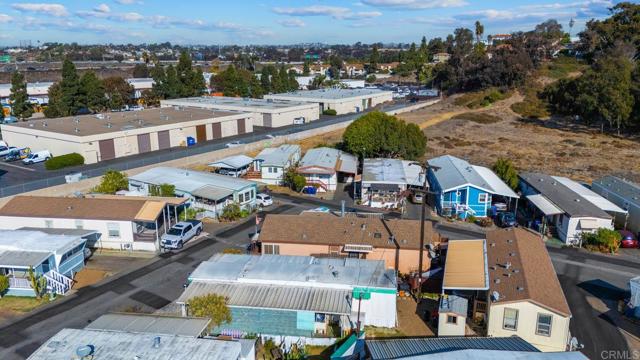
pixel 57 282
pixel 252 174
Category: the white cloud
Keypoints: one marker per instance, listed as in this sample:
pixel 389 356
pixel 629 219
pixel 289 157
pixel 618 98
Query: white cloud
pixel 102 8
pixel 415 4
pixel 126 2
pixel 128 17
pixel 57 10
pixel 292 23
pixel 4 18
pixel 315 10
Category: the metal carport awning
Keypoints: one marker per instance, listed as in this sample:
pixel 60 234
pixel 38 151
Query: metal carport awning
pixel 212 193
pixel 543 204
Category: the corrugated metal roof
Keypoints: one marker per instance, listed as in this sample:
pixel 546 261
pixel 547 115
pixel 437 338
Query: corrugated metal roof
pixel 232 162
pixel 391 171
pixel 211 192
pixel 399 348
pixel 330 158
pixel 325 300
pixel 473 354
pixel 22 258
pixel 279 156
pixel 626 189
pixel 454 304
pixel 589 195
pixel 189 180
pixel 152 324
pixel 544 205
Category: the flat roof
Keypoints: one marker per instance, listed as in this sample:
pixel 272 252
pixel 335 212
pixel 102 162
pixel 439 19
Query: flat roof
pixel 189 180
pixel 453 304
pixel 466 265
pixel 237 103
pixel 87 125
pixel 278 156
pixel 624 188
pixel 152 324
pixel 391 171
pixel 169 200
pixel 117 345
pixel 290 270
pixel 232 162
pixel 329 94
pixel 22 258
pixel 35 240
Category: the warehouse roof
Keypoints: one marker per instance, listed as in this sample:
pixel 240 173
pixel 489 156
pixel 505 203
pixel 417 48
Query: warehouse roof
pixel 573 198
pixel 79 208
pixel 626 189
pixel 236 103
pixel 329 94
pixel 315 299
pixel 294 270
pixel 152 324
pixel 190 181
pixel 391 171
pixel 278 156
pixel 116 345
pixel 85 125
pixel 328 160
pixel 328 229
pixel 522 255
pixel 466 265
pixel 454 173
pixel 232 162
pixel 33 89
pixel 410 347
pixel 480 354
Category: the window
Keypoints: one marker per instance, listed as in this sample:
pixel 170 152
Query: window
pixel 510 320
pixel 543 327
pixel 48 223
pixel 241 198
pixel 451 319
pixel 247 196
pixel 79 224
pixel 483 197
pixel 253 194
pixel 113 230
pixel 271 249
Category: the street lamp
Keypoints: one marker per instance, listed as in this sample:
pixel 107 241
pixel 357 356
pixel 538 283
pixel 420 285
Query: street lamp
pixel 425 167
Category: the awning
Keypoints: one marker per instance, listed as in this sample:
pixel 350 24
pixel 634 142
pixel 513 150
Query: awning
pixel 544 205
pixel 150 211
pixel 212 193
pixel 466 266
pixel 22 259
pixel 588 224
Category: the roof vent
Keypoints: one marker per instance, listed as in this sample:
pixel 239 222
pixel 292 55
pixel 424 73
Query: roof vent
pixel 577 200
pixel 156 342
pixel 512 254
pixel 507 265
pixel 493 267
pixel 109 125
pixel 495 296
pixel 510 241
pixel 76 120
pixel 76 130
pixel 516 271
pixel 508 275
pixel 85 351
pixel 30 124
pixel 44 124
pixel 363 227
pixel 492 244
pixel 377 235
pixel 520 288
pixel 497 281
pixel 335 273
pixel 304 236
pixel 404 241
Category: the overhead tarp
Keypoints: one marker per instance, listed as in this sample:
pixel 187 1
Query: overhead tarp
pixel 543 204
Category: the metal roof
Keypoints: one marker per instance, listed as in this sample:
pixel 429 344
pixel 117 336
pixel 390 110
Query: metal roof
pixel 544 205
pixel 211 193
pixel 401 348
pixel 116 345
pixel 331 159
pixel 57 231
pixel 391 171
pixel 455 173
pixel 295 271
pixel 562 196
pixel 325 300
pixel 189 180
pixel 29 241
pixel 232 162
pixel 474 354
pixel 329 94
pixel 626 189
pixel 279 156
pixel 151 324
pixel 453 304
pixel 238 104
pixel 589 195
pixel 9 258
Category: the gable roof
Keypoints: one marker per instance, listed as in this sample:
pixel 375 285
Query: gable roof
pixel 329 159
pixel 329 229
pixel 391 171
pixel 455 173
pixel 278 156
pixel 532 276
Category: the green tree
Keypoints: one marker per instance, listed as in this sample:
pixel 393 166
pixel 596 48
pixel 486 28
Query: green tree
pixel 294 180
pixel 306 69
pixel 479 31
pixel 377 134
pixel 118 92
pixel 55 95
pixel 507 172
pixel 374 59
pixel 19 97
pixel 38 283
pixel 191 80
pixel 210 306
pixel 166 190
pixel 70 96
pixel 603 240
pixel 371 79
pixel 112 182
pixel 4 284
pixel 231 212
pixel 141 70
pixel 92 91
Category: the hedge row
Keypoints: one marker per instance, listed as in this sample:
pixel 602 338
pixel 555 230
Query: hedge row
pixel 329 112
pixel 62 161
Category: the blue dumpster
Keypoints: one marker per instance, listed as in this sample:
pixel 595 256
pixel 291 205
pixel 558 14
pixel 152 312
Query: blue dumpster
pixel 191 141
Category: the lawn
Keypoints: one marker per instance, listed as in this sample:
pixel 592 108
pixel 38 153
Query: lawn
pixel 14 306
pixel 381 332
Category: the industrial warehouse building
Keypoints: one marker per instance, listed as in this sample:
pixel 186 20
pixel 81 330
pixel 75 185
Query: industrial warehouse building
pixel 107 136
pixel 270 113
pixel 343 101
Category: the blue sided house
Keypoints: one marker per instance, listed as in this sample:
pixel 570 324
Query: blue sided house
pixel 55 254
pixel 462 189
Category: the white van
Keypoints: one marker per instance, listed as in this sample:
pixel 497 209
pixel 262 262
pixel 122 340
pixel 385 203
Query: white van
pixel 299 120
pixel 36 157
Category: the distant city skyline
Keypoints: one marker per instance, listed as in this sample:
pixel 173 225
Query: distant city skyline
pixel 261 22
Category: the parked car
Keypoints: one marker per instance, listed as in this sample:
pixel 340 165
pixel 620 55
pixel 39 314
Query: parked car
pixel 628 240
pixel 299 121
pixel 180 233
pixel 6 150
pixel 506 219
pixel 263 199
pixel 17 154
pixel 417 198
pixel 233 144
pixel 36 157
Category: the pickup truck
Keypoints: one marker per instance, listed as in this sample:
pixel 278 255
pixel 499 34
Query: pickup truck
pixel 180 233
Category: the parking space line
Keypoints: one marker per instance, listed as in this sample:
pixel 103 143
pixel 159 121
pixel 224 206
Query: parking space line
pixel 17 167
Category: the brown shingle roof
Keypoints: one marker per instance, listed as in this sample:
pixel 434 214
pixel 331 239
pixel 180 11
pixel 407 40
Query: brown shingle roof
pixel 328 229
pixel 73 208
pixel 532 276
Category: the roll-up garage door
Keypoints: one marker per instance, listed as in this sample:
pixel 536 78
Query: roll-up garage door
pixel 216 130
pixel 201 133
pixel 144 143
pixel 107 150
pixel 164 140
pixel 241 126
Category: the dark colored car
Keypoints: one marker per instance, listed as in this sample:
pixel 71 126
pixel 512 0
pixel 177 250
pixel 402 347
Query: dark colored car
pixel 628 239
pixel 506 219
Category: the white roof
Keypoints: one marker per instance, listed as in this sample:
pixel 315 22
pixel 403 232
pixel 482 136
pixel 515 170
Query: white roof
pixel 188 180
pixel 278 156
pixel 544 205
pixel 32 240
pixel 589 195
pixel 330 158
pixel 391 171
pixel 141 83
pixel 232 162
pixel 116 345
pixel 239 104
pixel 37 88
pixel 330 94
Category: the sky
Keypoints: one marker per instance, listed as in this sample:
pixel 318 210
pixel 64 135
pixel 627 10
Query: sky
pixel 244 22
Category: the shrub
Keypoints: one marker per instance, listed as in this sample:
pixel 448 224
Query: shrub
pixel 472 219
pixel 506 171
pixel 485 222
pixel 331 112
pixel 4 284
pixel 479 118
pixel 63 161
pixel 231 212
pixel 483 98
pixel 112 181
pixel 162 190
pixel 294 181
pixel 210 306
pixel 603 240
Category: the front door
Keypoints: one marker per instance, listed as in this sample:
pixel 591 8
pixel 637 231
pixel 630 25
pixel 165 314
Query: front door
pixel 201 133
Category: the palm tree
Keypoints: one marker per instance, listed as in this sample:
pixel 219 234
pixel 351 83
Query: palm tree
pixel 479 31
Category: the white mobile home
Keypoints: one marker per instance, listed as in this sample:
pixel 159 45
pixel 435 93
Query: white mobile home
pixel 625 194
pixel 273 163
pixel 385 181
pixel 324 167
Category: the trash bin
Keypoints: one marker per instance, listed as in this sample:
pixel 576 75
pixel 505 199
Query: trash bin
pixel 191 141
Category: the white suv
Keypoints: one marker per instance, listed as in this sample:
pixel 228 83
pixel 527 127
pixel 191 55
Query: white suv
pixel 264 200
